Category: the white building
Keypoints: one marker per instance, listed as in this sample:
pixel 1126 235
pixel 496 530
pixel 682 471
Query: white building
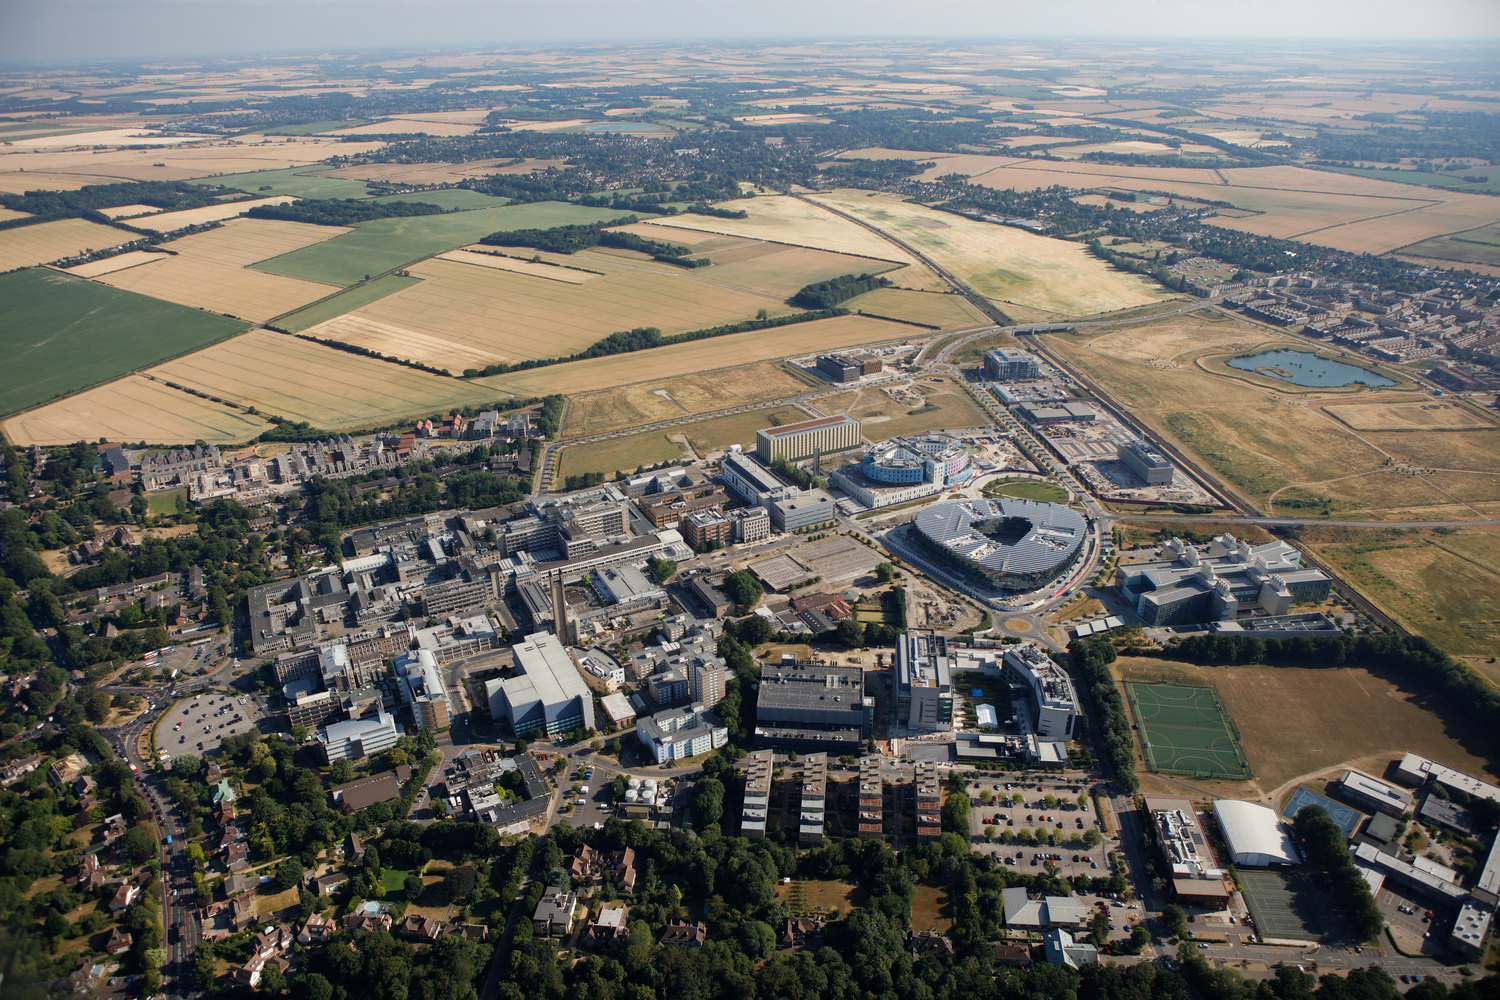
pixel 422 688
pixel 1050 697
pixel 924 681
pixel 354 738
pixel 681 732
pixel 548 694
pixel 1254 834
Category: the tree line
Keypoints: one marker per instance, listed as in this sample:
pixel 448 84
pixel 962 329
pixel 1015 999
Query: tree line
pixel 836 291
pixel 343 211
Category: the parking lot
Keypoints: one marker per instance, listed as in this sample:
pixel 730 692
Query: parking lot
pixel 197 725
pixel 1065 819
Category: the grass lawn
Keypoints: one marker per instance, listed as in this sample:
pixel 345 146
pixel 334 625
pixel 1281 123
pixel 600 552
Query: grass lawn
pixel 347 301
pixel 297 181
pixel 385 244
pixel 622 454
pixel 818 898
pixel 1026 489
pixel 738 428
pixel 392 878
pixel 60 334
pixel 165 502
pixel 931 910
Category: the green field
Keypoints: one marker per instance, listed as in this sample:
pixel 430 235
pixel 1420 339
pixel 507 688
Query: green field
pixel 1186 731
pixel 737 428
pixel 1026 489
pixel 348 301
pixel 61 334
pixel 385 244
pixel 450 198
pixel 165 502
pixel 1454 180
pixel 298 181
pixel 1479 246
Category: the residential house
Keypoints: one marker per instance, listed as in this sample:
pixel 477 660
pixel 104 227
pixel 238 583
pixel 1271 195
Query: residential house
pixel 249 973
pixel 423 930
pixel 62 773
pixel 683 933
pixel 554 914
pixel 90 872
pixel 20 768
pixel 223 791
pixel 119 942
pixel 622 867
pixel 242 912
pixel 328 883
pixel 356 852
pixel 610 931
pixel 799 931
pixel 581 869
pixel 936 945
pixel 239 882
pixel 237 856
pixel 315 928
pixel 366 921
pixel 473 932
pixel 271 941
pixel 114 828
pixel 123 897
pixel 1006 953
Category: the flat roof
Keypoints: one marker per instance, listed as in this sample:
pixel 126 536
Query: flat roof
pixel 807 425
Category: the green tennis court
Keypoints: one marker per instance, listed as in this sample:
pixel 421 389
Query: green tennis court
pixel 1186 731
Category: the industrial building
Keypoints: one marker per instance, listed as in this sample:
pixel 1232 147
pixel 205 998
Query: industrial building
pixel 1061 413
pixel 924 681
pixel 1007 364
pixel 1219 582
pixel 1254 834
pixel 1007 543
pixel 422 689
pixel 547 694
pixel 1190 867
pixel 1150 465
pixel 1048 691
pixel 847 367
pixel 1369 791
pixel 795 442
pixel 806 707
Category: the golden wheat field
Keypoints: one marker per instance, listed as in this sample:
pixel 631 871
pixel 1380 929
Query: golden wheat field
pixel 166 222
pixel 26 246
pixel 1002 262
pixel 221 288
pixel 134 408
pixel 239 242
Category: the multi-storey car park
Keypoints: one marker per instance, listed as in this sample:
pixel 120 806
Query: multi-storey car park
pixel 1006 543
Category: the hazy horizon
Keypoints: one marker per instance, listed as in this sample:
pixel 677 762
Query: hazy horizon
pixel 53 31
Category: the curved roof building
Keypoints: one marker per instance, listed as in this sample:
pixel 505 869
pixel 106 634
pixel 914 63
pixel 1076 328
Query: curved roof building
pixel 1006 542
pixel 925 458
pixel 1253 834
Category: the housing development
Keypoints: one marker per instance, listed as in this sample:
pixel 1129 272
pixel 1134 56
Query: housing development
pixel 986 517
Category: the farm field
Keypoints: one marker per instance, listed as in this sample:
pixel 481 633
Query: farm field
pixel 300 380
pixel 346 301
pixel 739 428
pixel 552 272
pixel 455 198
pixel 62 333
pixel 1444 584
pixel 882 417
pixel 783 219
pixel 118 262
pixel 461 316
pixel 220 288
pixel 622 454
pixel 239 242
pixel 1003 263
pixel 1266 442
pixel 647 402
pixel 133 408
pixel 943 310
pixel 26 246
pixel 1296 721
pixel 384 244
pixel 302 182
pixel 1477 246
pixel 699 356
pixel 434 173
pixel 166 222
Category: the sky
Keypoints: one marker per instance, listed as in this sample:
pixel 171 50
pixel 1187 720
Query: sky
pixel 67 30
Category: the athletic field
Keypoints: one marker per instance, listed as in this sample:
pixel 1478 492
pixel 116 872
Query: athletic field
pixel 1186 731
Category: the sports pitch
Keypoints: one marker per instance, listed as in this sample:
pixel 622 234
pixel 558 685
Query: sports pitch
pixel 1186 731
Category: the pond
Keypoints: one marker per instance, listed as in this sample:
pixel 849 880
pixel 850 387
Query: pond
pixel 1302 368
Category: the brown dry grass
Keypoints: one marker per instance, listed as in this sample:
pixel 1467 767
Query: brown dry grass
pixel 882 417
pixel 166 222
pixel 945 311
pixel 821 898
pixel 239 242
pixel 1295 721
pixel 931 910
pixel 648 402
pixel 1406 416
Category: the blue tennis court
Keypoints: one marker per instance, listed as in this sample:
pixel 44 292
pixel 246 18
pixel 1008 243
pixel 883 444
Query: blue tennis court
pixel 1346 818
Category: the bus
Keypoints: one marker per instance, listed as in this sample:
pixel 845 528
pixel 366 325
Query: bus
pixel 202 642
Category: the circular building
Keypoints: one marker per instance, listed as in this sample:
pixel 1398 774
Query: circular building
pixel 940 459
pixel 1015 544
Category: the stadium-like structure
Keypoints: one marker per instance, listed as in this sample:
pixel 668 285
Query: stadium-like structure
pixel 1007 543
